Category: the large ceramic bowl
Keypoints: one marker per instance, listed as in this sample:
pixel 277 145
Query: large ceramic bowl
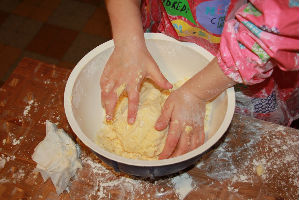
pixel 177 60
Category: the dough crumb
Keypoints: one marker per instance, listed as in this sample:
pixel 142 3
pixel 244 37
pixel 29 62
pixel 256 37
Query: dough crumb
pixel 120 89
pixel 260 170
pixel 188 129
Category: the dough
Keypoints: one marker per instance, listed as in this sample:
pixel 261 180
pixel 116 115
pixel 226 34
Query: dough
pixel 260 170
pixel 140 140
pixel 57 157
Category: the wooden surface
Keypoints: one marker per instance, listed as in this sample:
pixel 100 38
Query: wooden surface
pixel 254 160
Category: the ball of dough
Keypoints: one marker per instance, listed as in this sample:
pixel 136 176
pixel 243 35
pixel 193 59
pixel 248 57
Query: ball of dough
pixel 140 140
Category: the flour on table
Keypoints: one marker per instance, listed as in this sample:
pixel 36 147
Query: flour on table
pixel 2 162
pixel 57 157
pixel 28 107
pixel 274 162
pixel 183 184
pixel 4 159
pixel 103 183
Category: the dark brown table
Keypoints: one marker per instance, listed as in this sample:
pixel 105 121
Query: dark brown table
pixel 254 160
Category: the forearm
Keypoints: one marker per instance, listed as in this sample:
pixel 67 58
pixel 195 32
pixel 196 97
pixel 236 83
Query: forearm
pixel 126 22
pixel 209 82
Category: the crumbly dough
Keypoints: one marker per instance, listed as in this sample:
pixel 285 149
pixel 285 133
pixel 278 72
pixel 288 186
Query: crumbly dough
pixel 140 140
pixel 260 170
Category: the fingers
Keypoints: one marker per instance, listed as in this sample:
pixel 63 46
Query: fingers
pixel 110 94
pixel 197 136
pixel 184 145
pixel 156 75
pixel 109 102
pixel 172 139
pixel 202 136
pixel 165 116
pixel 133 101
pixel 106 87
pixel 181 140
pixel 190 139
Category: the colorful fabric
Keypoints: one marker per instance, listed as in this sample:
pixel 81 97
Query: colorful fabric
pixel 256 43
pixel 196 21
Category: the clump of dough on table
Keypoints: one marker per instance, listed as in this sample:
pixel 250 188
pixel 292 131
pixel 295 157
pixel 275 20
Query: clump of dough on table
pixel 140 140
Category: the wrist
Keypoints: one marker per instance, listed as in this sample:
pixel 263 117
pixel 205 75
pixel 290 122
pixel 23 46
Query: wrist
pixel 129 42
pixel 209 82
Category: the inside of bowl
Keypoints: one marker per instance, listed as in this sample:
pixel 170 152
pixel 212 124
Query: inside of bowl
pixel 176 61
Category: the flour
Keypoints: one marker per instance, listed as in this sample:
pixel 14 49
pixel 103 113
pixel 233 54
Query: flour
pixel 20 174
pixel 28 107
pixel 16 176
pixel 105 180
pixel 2 163
pixel 17 141
pixel 47 82
pixel 57 157
pixel 183 184
pixel 32 106
pixel 5 158
pixel 104 183
pixel 4 180
pixel 271 155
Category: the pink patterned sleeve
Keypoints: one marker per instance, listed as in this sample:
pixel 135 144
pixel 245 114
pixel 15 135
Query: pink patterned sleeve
pixel 264 33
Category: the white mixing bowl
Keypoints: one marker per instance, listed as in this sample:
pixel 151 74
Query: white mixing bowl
pixel 177 60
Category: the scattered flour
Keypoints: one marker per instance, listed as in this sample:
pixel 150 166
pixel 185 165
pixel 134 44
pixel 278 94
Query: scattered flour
pixel 16 175
pixel 17 141
pixel 183 184
pixel 271 155
pixel 48 81
pixel 2 163
pixel 20 174
pixel 104 180
pixel 28 107
pixel 106 184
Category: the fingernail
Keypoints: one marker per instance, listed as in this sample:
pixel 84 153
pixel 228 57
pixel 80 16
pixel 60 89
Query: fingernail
pixel 161 157
pixel 159 124
pixel 108 117
pixel 131 120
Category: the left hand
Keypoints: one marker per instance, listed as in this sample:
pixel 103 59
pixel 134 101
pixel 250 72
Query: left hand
pixel 184 112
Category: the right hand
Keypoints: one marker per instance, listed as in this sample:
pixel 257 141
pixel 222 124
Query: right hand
pixel 183 112
pixel 126 69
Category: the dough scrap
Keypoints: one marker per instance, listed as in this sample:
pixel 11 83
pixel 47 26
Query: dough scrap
pixel 57 157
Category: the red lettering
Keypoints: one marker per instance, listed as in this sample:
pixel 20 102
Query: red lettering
pixel 220 10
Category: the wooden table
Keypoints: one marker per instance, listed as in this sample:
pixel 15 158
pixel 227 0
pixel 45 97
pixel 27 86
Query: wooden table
pixel 254 160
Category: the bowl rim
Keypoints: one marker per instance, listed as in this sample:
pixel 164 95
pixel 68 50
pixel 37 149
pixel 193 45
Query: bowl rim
pixel 142 163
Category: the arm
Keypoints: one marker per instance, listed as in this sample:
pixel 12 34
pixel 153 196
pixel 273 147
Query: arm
pixel 130 61
pixel 126 22
pixel 264 34
pixel 260 35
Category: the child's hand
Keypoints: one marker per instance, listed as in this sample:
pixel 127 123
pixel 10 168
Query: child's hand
pixel 184 112
pixel 124 71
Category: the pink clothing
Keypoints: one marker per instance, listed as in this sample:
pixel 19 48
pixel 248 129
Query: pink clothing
pixel 263 35
pixel 258 48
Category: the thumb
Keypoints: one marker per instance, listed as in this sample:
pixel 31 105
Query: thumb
pixel 156 75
